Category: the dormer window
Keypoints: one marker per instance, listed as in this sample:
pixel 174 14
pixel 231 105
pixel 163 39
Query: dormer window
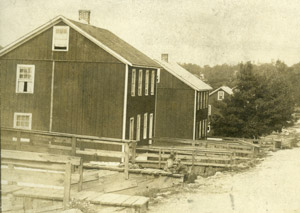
pixel 60 38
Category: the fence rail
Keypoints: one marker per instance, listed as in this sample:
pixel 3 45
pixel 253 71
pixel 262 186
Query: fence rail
pixel 87 147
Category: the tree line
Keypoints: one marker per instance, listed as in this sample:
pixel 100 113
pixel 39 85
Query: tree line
pixel 264 99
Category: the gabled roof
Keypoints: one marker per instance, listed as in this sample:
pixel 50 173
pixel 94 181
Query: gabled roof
pixel 101 37
pixel 184 75
pixel 226 89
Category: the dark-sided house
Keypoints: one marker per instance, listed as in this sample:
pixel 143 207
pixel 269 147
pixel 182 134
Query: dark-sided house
pixel 215 97
pixel 182 103
pixel 71 77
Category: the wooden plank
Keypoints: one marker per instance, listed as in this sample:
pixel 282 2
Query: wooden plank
pixel 29 176
pixel 141 201
pixel 102 153
pixel 51 208
pixel 34 164
pixel 39 194
pixel 118 200
pixel 67 185
pixel 32 156
pixel 8 189
pixel 126 162
pixel 130 201
pixel 119 186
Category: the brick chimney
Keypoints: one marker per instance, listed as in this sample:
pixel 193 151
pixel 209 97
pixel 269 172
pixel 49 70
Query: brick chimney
pixel 164 57
pixel 84 16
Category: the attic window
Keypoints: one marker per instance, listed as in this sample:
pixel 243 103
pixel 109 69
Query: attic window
pixel 220 95
pixel 60 38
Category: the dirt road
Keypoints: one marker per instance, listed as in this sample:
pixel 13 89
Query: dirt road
pixel 272 186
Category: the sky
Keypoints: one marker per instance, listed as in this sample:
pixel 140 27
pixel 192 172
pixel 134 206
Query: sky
pixel 204 32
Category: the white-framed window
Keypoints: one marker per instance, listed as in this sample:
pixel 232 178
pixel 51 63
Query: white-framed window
pixel 60 40
pixel 150 125
pixel 22 120
pixel 138 127
pixel 140 85
pixel 198 100
pixel 201 99
pixel 208 128
pixel 131 128
pixel 145 125
pixel 133 80
pixel 152 82
pixel 25 78
pixel 209 109
pixel 158 76
pixel 204 100
pixel 199 130
pixel 203 128
pixel 147 82
pixel 220 95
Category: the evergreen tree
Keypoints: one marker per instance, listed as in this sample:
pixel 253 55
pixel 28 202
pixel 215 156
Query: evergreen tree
pixel 261 104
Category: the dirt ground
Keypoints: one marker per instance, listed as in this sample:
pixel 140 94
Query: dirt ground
pixel 271 186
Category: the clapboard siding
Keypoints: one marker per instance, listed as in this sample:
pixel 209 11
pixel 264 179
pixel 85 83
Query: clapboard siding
pixel 37 103
pixel 175 108
pixel 80 49
pixel 88 98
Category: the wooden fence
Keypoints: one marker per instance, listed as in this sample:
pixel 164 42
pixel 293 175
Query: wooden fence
pixel 215 153
pixel 89 148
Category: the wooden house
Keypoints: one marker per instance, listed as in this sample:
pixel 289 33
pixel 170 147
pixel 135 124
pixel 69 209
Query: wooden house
pixel 71 77
pixel 182 103
pixel 220 94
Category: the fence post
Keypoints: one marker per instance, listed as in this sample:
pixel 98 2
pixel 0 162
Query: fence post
pixel 159 159
pixel 18 140
pixel 133 145
pixel 126 169
pixel 80 171
pixel 193 159
pixel 67 185
pixel 74 139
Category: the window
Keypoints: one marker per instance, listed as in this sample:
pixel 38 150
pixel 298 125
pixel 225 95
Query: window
pixel 209 109
pixel 158 76
pixel 206 100
pixel 150 127
pixel 204 128
pixel 208 128
pixel 131 129
pixel 201 100
pixel 140 86
pixel 198 100
pixel 220 95
pixel 60 38
pixel 199 130
pixel 145 125
pixel 25 78
pixel 22 120
pixel 152 82
pixel 133 79
pixel 147 82
pixel 138 127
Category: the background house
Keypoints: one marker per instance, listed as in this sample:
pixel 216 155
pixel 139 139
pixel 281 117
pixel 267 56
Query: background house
pixel 220 94
pixel 71 77
pixel 182 103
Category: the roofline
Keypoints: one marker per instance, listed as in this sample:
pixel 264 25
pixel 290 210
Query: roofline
pixel 216 90
pixel 182 79
pixel 52 22
pixel 144 66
